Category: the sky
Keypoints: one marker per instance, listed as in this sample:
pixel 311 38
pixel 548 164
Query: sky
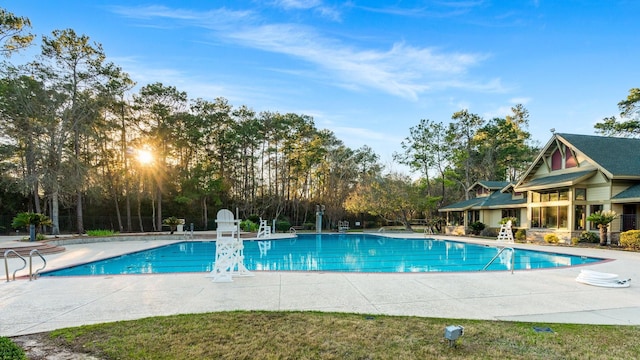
pixel 370 70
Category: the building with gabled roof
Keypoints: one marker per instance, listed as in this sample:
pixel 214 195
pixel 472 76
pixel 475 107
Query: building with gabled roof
pixel 572 177
pixel 492 201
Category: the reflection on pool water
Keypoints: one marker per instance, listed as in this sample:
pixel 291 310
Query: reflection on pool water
pixel 329 252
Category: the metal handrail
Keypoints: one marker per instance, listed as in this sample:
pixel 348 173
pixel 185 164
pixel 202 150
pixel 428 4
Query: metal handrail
pixel 32 275
pixel 513 258
pixel 6 263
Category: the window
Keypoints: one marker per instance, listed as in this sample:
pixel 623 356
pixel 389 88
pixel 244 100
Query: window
pixel 581 194
pixel 559 162
pixel 554 195
pixel 580 216
pixel 556 160
pixel 455 218
pixel 511 213
pixel 570 160
pixel 473 216
pixel 535 197
pixel 592 210
pixel 563 195
pixel 553 217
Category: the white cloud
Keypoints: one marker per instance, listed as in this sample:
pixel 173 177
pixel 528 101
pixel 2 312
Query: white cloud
pixel 316 5
pixel 402 70
pixel 298 4
pixel 520 100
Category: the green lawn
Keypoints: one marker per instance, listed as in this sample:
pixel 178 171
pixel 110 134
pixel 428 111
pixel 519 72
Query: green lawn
pixel 315 335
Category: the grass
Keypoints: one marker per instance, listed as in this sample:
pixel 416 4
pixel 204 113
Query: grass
pixel 315 335
pixel 10 351
pixel 100 232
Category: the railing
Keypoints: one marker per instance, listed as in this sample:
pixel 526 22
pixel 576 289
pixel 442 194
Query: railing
pixel 628 222
pixel 32 275
pixel 513 258
pixel 6 263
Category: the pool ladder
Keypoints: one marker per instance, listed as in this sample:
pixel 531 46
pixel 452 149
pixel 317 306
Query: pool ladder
pixel 513 258
pixel 32 275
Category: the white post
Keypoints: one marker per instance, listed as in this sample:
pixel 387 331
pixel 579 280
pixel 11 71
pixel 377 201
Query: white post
pixel 319 213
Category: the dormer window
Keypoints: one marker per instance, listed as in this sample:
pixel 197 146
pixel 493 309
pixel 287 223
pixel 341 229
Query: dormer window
pixel 556 160
pixel 560 161
pixel 482 191
pixel 570 160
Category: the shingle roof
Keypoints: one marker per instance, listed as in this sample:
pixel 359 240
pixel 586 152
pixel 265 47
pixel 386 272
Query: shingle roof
pixel 630 193
pixel 617 156
pixel 496 200
pixel 566 179
pixel 462 205
pixel 500 199
pixel 494 185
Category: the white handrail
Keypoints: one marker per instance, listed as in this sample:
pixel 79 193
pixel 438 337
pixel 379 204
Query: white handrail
pixel 513 258
pixel 6 263
pixel 33 276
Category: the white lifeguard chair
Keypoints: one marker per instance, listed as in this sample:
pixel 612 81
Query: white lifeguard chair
pixel 264 231
pixel 343 226
pixel 229 259
pixel 505 234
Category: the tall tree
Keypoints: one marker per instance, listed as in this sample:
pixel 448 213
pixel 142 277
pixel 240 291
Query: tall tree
pixel 461 135
pixel 158 106
pixel 13 33
pixel 425 150
pixel 629 123
pixel 393 197
pixel 76 69
pixel 24 105
pixel 110 136
pixel 503 146
pixel 417 150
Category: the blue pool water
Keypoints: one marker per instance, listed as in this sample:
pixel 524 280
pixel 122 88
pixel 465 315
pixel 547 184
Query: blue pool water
pixel 328 252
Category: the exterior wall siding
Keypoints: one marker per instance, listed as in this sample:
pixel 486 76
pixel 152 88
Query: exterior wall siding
pixel 599 193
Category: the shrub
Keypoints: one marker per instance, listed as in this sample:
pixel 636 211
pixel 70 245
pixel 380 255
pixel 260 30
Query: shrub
pixel 589 237
pixel 283 225
pixel 574 241
pixel 101 232
pixel 476 227
pixel 602 217
pixel 248 225
pixel 514 221
pixel 173 223
pixel 521 235
pixel 10 351
pixel 551 239
pixel 254 218
pixel 630 239
pixel 309 226
pixel 25 219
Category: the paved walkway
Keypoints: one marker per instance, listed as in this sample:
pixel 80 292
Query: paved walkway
pixel 540 296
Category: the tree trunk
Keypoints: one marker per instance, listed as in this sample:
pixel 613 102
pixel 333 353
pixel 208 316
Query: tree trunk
pixel 117 205
pixel 159 209
pixel 603 235
pixel 79 179
pixel 205 214
pixel 55 215
pixel 139 211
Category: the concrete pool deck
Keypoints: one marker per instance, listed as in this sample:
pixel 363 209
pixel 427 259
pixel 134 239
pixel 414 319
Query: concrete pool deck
pixel 540 296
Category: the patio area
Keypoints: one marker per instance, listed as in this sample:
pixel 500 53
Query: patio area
pixel 541 296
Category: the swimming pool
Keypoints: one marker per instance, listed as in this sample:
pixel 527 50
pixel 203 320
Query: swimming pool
pixel 328 252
